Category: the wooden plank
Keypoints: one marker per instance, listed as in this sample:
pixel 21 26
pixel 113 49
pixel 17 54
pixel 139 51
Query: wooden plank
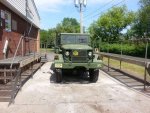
pixel 26 74
pixel 5 99
pixel 5 78
pixel 5 87
pixel 128 59
pixel 18 59
pixel 5 93
pixel 124 56
pixel 27 61
pixel 8 70
pixel 9 60
pixel 134 62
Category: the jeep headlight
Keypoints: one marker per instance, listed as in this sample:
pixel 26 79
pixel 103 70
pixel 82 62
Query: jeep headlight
pixel 90 54
pixel 67 53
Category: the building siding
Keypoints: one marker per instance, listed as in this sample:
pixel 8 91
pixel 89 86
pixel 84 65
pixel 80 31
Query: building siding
pixel 21 6
pixel 33 12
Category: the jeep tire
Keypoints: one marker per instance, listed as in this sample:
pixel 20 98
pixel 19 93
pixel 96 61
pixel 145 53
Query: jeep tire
pixel 94 74
pixel 58 73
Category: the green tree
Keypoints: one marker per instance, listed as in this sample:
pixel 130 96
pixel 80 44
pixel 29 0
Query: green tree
pixel 110 24
pixel 141 25
pixel 43 35
pixel 69 25
pixel 48 36
pixel 52 36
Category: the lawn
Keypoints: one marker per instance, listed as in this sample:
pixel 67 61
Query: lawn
pixel 46 50
pixel 131 68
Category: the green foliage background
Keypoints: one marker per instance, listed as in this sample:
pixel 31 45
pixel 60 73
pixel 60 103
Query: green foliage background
pixel 108 28
pixel 68 25
pixel 127 49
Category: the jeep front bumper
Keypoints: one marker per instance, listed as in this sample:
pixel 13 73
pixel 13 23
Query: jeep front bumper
pixel 93 65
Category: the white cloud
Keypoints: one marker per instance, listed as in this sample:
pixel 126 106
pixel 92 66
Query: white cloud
pixel 51 5
pixel 55 5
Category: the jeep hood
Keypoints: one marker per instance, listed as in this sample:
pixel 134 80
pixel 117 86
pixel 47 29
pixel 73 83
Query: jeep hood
pixel 76 46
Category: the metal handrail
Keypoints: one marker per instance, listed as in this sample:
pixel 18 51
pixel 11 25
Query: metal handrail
pixel 14 90
pixel 16 52
pixel 18 73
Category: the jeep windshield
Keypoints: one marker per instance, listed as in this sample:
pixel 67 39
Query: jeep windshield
pixel 74 39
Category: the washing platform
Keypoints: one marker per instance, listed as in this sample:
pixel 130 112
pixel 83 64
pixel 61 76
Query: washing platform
pixel 14 72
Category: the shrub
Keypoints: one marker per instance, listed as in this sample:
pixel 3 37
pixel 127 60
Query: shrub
pixel 127 49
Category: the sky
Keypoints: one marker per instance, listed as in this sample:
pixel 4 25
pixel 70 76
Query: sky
pixel 52 12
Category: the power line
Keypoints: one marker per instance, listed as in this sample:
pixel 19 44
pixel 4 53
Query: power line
pixel 99 8
pixel 105 10
pixel 108 8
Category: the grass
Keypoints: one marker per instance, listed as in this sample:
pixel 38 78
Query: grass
pixel 131 68
pixel 46 50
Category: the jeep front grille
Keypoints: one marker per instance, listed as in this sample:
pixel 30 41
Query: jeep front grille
pixel 78 56
pixel 79 59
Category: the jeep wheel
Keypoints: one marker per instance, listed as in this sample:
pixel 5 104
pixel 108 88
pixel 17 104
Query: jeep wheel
pixel 94 74
pixel 58 73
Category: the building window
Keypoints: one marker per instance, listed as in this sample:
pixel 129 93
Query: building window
pixel 7 21
pixel 1 22
pixel 2 16
pixel 14 25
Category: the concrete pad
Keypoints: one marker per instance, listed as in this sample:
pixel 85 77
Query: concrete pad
pixel 42 95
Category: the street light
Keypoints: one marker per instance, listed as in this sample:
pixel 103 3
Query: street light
pixel 80 4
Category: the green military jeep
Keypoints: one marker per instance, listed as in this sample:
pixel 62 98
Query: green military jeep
pixel 73 52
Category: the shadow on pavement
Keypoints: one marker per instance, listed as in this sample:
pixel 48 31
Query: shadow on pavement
pixel 69 78
pixel 128 79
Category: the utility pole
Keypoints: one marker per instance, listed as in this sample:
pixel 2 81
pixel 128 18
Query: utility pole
pixel 80 4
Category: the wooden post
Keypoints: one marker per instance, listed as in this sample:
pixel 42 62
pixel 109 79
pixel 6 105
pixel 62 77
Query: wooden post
pixel 22 47
pixel 20 82
pixel 5 75
pixel 120 64
pixel 32 69
pixel 145 73
pixel 34 49
pixel 121 56
pixel 108 63
pixel 145 77
pixel 38 42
